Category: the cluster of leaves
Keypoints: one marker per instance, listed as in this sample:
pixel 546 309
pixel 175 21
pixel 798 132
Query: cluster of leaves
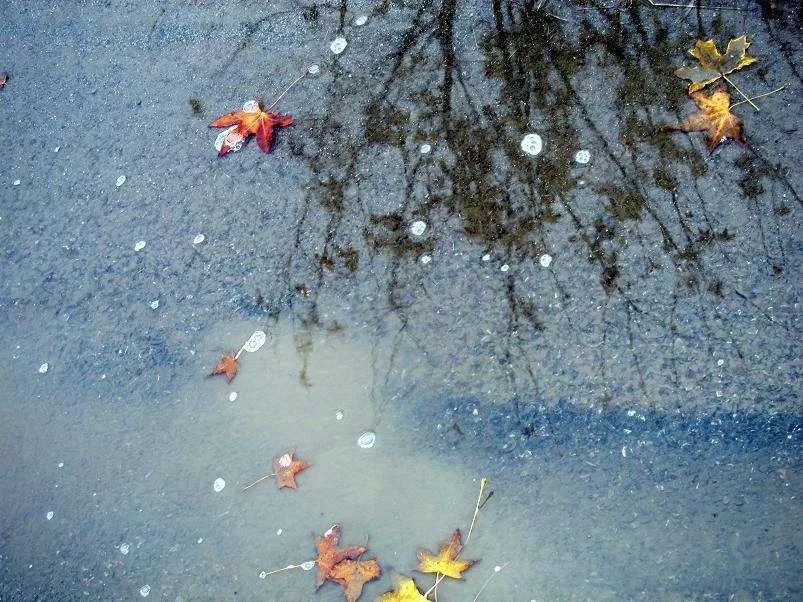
pixel 714 115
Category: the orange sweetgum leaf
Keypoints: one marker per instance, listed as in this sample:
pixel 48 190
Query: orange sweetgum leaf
pixel 714 118
pixel 3 79
pixel 286 467
pixel 353 574
pixel 404 590
pixel 226 365
pixel 255 122
pixel 330 555
pixel 446 562
pixel 713 65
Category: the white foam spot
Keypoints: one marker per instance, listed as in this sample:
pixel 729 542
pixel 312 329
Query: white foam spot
pixel 251 106
pixel 307 566
pixel 154 304
pixel 232 395
pixel 582 156
pixel 49 515
pixel 505 268
pixel 313 69
pixel 255 341
pixel 120 181
pixel 199 238
pixel 44 368
pixel 545 260
pixel 16 182
pixel 425 148
pixel 361 20
pixel 338 45
pixel 140 244
pixel 339 415
pixel 285 461
pixel 367 439
pixel 532 144
pixel 486 257
pixel 425 259
pixel 144 591
pixel 418 228
pixel 218 485
pixel 124 548
pixel 278 531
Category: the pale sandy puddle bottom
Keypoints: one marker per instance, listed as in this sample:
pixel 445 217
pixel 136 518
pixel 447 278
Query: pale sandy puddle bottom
pixel 138 477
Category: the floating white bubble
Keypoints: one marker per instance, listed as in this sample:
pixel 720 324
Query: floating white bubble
pixel 255 341
pixel 532 144
pixel 425 259
pixel 339 415
pixel 486 257
pixel 285 461
pixel 361 20
pixel 367 439
pixel 61 464
pixel 200 540
pixel 582 156
pixel 425 148
pixel 308 566
pixel 251 106
pixel 139 245
pixel 505 268
pixel 545 260
pixel 313 69
pixel 49 515
pixel 56 149
pixel 338 45
pixel 418 228
pixel 154 304
pixel 262 575
pixel 124 548
pixel 199 238
pixel 16 182
pixel 278 531
pixel 232 395
pixel 44 368
pixel 218 485
pixel 144 591
pixel 120 181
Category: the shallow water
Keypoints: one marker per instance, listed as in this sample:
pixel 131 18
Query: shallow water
pixel 614 344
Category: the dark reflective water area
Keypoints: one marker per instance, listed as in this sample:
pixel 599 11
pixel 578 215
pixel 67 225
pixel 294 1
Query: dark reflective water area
pixel 612 336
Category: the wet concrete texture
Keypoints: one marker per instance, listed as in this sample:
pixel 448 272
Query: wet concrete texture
pixel 551 296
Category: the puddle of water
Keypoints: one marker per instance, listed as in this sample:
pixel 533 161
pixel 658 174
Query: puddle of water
pixel 577 520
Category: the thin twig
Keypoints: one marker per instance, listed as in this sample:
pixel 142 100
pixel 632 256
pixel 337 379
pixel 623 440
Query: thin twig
pixel 288 567
pixel 746 99
pixel 259 480
pixel 692 5
pixel 488 580
pixel 736 104
pixel 298 79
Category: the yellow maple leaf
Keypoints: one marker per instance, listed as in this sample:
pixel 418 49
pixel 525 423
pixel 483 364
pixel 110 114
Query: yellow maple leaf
pixel 714 118
pixel 404 590
pixel 446 562
pixel 714 65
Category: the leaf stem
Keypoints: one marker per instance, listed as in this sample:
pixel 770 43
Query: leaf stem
pixel 488 580
pixel 259 480
pixel 287 89
pixel 746 99
pixel 759 96
pixel 286 568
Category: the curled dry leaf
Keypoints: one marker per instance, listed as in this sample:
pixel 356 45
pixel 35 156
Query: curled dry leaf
pixel 714 118
pixel 446 562
pixel 226 365
pixel 712 64
pixel 286 467
pixel 257 122
pixel 330 555
pixel 404 590
pixel 353 574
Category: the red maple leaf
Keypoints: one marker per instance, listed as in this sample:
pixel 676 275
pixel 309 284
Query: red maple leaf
pixel 255 121
pixel 330 555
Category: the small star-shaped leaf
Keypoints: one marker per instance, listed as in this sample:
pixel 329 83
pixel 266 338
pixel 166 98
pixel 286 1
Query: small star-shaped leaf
pixel 253 121
pixel 226 365
pixel 714 65
pixel 330 555
pixel 446 562
pixel 286 467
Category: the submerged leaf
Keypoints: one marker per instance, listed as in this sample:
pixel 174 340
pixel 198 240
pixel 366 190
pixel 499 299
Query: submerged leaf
pixel 330 555
pixel 714 118
pixel 286 467
pixel 446 562
pixel 353 574
pixel 404 590
pixel 714 65
pixel 226 365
